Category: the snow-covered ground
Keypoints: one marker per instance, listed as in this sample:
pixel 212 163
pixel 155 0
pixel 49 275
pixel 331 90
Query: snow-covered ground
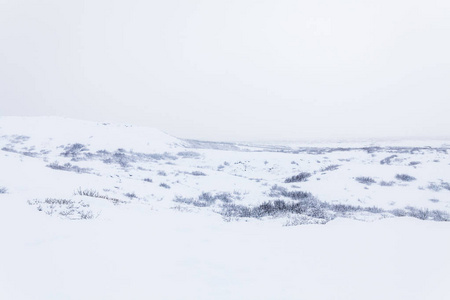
pixel 103 211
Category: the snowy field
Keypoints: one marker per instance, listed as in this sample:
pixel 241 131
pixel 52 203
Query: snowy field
pixel 103 211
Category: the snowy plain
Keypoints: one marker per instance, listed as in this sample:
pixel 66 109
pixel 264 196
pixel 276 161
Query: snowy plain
pixel 104 211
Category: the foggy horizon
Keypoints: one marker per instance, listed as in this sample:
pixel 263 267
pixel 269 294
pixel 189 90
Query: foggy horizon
pixel 233 70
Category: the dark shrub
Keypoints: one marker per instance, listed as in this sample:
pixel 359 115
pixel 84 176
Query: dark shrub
pixel 344 208
pixel 73 150
pixel 63 207
pixel 68 167
pixel 330 168
pixel 206 199
pixel 374 210
pixel 365 180
pixel 311 208
pixel 234 210
pixel 398 212
pixel 445 185
pixel 198 173
pixel 164 185
pixel 387 160
pixel 418 213
pixel 277 191
pixel 297 195
pixel 8 149
pixel 441 216
pixel 404 177
pixel 87 192
pixel 93 193
pixel 224 197
pixel 303 176
pixel 130 195
pixel 434 187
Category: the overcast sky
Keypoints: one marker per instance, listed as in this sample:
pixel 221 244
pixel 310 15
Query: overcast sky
pixel 232 70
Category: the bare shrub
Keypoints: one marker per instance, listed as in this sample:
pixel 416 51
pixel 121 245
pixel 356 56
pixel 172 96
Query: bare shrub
pixel 277 208
pixel 87 192
pixel 126 158
pixel 296 195
pixel 130 195
pixel 437 187
pixel 277 191
pixel 68 167
pixel 318 210
pixel 84 215
pixel 148 180
pixel 164 185
pixel 405 177
pixel 121 158
pixel 3 190
pixel 65 208
pixel 344 208
pixel 73 150
pixel 51 201
pixel 103 152
pixel 162 173
pixel 445 185
pixel 303 176
pixel 374 210
pixel 440 216
pixel 419 213
pixel 18 139
pixel 198 173
pixel 190 201
pixel 206 199
pixel 434 187
pixel 387 183
pixel 30 153
pixel 224 197
pixel 94 194
pixel 398 212
pixel 9 149
pixel 387 160
pixel 330 168
pixel 365 180
pixel 235 210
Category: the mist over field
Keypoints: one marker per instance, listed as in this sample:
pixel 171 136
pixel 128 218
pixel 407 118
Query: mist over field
pixel 232 70
pixel 250 149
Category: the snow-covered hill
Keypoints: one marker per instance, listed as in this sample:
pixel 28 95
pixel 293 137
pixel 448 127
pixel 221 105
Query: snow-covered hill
pixel 103 211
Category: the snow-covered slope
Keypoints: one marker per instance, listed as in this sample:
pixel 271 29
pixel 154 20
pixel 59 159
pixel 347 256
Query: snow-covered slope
pixel 102 211
pixel 55 131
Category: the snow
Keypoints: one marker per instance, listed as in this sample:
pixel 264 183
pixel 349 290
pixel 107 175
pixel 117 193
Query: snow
pixel 151 247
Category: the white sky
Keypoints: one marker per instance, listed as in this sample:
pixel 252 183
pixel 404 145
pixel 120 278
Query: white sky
pixel 232 70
